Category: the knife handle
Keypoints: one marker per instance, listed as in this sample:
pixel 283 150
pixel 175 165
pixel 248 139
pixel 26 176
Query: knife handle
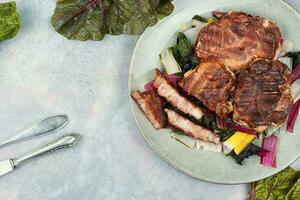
pixel 42 127
pixel 61 143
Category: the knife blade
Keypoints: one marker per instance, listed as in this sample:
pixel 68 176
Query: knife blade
pixel 6 166
pixel 63 142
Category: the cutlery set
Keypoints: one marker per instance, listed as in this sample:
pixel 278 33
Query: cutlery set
pixel 41 128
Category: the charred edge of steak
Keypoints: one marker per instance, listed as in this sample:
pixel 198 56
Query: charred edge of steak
pixel 263 95
pixel 212 83
pixel 153 107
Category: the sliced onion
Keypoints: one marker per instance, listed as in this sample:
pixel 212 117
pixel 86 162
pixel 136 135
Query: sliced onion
pixel 295 74
pixel 293 116
pixel 218 14
pixel 270 144
pixel 173 78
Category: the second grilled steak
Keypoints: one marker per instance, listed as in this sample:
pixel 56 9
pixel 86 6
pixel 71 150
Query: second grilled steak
pixel 211 83
pixel 263 95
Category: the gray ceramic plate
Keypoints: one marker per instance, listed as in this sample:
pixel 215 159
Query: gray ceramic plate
pixel 209 166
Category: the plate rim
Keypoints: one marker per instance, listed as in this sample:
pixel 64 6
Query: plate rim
pixel 161 156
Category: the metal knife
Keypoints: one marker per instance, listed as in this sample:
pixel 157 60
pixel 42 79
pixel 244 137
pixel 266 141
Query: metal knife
pixel 63 142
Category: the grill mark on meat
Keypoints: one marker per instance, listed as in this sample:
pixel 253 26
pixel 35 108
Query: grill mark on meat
pixel 237 39
pixel 152 105
pixel 191 129
pixel 262 96
pixel 211 83
pixel 170 93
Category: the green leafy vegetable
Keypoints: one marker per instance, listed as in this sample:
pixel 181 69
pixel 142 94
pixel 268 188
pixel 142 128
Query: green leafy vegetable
pixel 200 18
pixel 296 59
pixel 183 49
pixel 250 150
pixel 92 19
pixel 9 21
pixel 283 185
pixel 184 53
pixel 209 122
pixel 294 193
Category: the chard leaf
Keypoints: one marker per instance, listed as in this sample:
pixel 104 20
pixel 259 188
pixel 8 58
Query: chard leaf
pixel 9 21
pixel 92 19
pixel 250 150
pixel 294 193
pixel 209 122
pixel 277 186
pixel 200 18
pixel 296 59
pixel 184 53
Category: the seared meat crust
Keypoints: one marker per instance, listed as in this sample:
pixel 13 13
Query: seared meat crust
pixel 191 129
pixel 211 83
pixel 169 92
pixel 152 105
pixel 262 96
pixel 237 39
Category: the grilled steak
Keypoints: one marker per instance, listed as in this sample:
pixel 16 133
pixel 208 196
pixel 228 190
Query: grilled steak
pixel 169 92
pixel 237 39
pixel 211 83
pixel 191 129
pixel 152 106
pixel 263 95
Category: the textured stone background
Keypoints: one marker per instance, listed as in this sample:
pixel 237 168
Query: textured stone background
pixel 41 74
